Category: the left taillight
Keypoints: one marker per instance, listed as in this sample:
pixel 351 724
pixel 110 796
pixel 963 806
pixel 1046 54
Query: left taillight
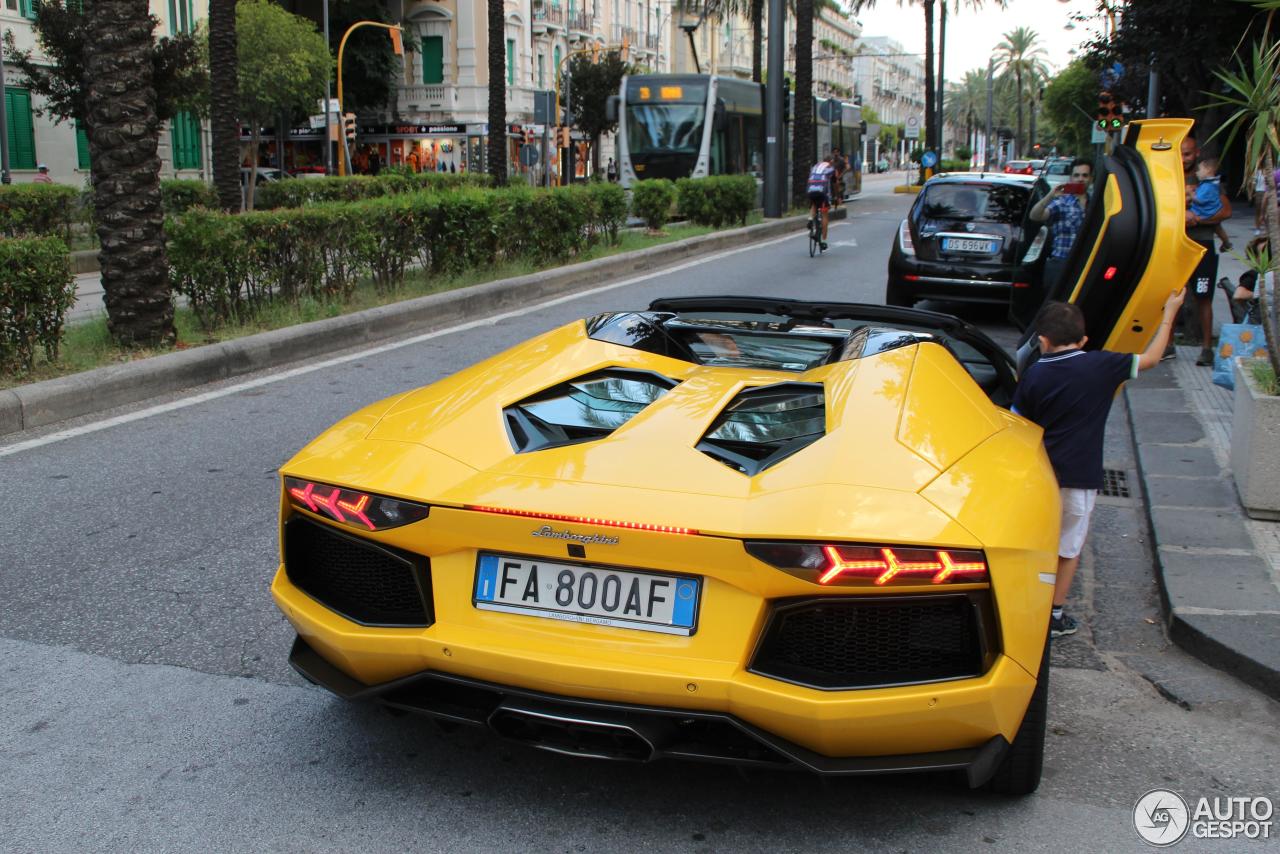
pixel 904 238
pixel 846 565
pixel 352 507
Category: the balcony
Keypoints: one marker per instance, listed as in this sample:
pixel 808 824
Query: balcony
pixel 415 99
pixel 548 18
pixel 581 25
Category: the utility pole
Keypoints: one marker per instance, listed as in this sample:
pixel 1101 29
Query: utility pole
pixel 991 76
pixel 5 176
pixel 942 53
pixel 1153 89
pixel 328 114
pixel 775 176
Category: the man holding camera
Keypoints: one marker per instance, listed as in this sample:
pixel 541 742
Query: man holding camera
pixel 1063 209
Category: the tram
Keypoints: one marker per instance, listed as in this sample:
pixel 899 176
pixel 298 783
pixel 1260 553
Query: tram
pixel 694 125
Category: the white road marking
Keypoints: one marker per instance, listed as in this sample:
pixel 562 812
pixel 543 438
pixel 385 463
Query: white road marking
pixel 194 400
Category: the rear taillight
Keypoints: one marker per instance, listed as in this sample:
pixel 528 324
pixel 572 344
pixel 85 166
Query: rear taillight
pixel 352 507
pixel 904 238
pixel 843 565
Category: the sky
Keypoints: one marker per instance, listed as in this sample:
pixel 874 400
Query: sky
pixel 972 36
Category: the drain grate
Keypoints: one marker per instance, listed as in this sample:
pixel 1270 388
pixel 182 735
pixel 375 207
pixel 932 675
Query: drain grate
pixel 1115 483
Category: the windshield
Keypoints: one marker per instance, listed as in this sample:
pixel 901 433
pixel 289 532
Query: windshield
pixel 1059 167
pixel 664 128
pixel 967 202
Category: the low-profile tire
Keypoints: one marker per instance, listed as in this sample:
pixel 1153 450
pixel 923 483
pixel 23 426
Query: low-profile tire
pixel 895 297
pixel 1019 771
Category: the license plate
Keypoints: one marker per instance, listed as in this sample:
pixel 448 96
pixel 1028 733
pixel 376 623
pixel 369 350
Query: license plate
pixel 579 593
pixel 960 244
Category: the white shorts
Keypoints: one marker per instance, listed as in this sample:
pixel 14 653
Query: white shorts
pixel 1077 507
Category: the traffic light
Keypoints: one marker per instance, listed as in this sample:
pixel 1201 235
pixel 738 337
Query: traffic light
pixel 1110 116
pixel 349 126
pixel 562 136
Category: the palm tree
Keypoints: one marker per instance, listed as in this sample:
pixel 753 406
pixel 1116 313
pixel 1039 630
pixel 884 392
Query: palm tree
pixel 124 135
pixel 497 149
pixel 966 103
pixel 1020 57
pixel 222 103
pixel 802 115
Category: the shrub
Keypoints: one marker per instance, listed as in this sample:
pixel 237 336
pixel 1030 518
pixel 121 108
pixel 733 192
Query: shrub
pixel 954 166
pixel 37 210
pixel 208 263
pixel 610 208
pixel 652 200
pixel 716 200
pixel 177 196
pixel 296 192
pixel 37 289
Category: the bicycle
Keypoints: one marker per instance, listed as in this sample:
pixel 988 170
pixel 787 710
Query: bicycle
pixel 815 232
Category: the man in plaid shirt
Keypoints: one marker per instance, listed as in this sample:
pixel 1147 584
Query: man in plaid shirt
pixel 1065 214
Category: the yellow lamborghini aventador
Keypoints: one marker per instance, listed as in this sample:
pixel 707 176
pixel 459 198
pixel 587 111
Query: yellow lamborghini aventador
pixel 738 529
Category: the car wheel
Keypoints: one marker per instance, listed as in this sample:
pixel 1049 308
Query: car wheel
pixel 1019 772
pixel 894 296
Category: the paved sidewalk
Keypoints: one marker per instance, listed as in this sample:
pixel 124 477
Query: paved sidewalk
pixel 1219 571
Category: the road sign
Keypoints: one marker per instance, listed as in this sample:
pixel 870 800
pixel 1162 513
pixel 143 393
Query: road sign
pixel 830 111
pixel 873 131
pixel 912 127
pixel 529 155
pixel 543 106
pixel 1099 135
pixel 929 160
pixel 333 105
pixel 317 122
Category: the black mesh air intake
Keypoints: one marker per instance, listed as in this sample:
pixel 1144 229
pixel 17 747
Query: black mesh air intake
pixel 362 581
pixel 867 642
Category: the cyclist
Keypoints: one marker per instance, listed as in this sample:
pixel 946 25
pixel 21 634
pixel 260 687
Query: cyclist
pixel 820 178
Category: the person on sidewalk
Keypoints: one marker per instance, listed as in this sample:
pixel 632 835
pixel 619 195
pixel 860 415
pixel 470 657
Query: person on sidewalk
pixel 1200 229
pixel 1205 199
pixel 42 175
pixel 1065 214
pixel 1069 393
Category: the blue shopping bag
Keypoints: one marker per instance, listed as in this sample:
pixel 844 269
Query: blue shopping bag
pixel 1236 339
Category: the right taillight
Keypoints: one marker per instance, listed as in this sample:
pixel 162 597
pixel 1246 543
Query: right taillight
pixel 904 238
pixel 844 565
pixel 1036 247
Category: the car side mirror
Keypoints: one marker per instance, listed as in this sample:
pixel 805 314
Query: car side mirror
pixel 611 108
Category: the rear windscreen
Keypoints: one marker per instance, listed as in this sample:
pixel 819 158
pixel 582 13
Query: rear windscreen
pixel 1002 203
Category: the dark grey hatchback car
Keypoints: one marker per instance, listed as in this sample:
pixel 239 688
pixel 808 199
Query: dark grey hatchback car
pixel 966 238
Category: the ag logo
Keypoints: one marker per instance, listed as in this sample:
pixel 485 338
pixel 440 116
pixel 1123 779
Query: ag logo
pixel 1161 817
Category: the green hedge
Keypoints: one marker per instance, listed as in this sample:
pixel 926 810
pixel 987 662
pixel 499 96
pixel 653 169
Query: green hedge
pixel 177 196
pixel 296 192
pixel 954 166
pixel 37 210
pixel 717 200
pixel 230 266
pixel 652 200
pixel 37 289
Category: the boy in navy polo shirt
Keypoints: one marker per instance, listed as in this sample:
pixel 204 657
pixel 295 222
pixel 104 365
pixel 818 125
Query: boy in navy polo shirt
pixel 1069 393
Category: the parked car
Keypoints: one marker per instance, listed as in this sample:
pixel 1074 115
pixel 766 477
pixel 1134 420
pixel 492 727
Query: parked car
pixel 1057 170
pixel 1019 167
pixel 740 529
pixel 965 238
pixel 1036 166
pixel 265 174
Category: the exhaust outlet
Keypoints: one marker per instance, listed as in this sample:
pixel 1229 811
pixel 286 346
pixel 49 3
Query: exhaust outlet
pixel 573 734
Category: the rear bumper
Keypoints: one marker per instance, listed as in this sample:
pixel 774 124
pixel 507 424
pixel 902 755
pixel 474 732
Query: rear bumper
pixel 924 286
pixel 620 731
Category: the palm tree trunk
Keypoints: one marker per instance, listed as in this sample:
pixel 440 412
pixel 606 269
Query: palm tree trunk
pixel 1017 76
pixel 1269 306
pixel 930 122
pixel 222 104
pixel 126 172
pixel 497 149
pixel 757 40
pixel 802 116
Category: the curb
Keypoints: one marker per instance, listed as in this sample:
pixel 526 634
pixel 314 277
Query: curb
pixel 1218 600
pixel 48 402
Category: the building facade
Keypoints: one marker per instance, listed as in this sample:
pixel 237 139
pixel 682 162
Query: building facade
pixel 889 81
pixel 36 138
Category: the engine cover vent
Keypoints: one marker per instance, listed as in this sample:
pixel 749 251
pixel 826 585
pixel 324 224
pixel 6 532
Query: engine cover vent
pixel 582 410
pixel 763 426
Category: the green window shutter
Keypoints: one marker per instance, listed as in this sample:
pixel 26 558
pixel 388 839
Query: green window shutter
pixel 21 131
pixel 511 62
pixel 186 141
pixel 82 147
pixel 173 17
pixel 28 8
pixel 556 68
pixel 432 59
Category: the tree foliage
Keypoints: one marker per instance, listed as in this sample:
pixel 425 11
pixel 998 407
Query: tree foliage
pixel 177 68
pixel 593 83
pixel 370 68
pixel 1070 99
pixel 1187 40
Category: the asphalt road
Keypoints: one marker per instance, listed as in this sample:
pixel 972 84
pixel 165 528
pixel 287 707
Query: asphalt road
pixel 147 704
